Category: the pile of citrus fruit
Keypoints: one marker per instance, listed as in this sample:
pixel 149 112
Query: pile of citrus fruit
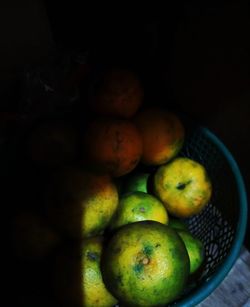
pixel 128 222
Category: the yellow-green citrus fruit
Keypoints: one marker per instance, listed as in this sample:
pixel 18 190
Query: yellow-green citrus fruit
pixel 183 186
pixel 194 248
pixel 138 206
pixel 145 264
pixel 80 203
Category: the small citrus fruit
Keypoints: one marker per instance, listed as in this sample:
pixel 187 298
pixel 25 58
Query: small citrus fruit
pixel 117 93
pixel 194 248
pixel 113 146
pixel 138 206
pixel 145 264
pixel 81 203
pixel 183 186
pixel 78 278
pixel 162 135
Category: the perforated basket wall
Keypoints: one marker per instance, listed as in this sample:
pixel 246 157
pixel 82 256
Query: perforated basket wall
pixel 221 225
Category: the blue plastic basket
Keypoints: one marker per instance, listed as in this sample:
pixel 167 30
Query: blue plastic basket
pixel 222 224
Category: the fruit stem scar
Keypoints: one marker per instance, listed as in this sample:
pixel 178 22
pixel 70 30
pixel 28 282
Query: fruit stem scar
pixel 145 260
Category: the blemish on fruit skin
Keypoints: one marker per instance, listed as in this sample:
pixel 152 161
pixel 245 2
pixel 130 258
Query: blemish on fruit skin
pixel 157 245
pixel 148 250
pixel 92 256
pixel 182 185
pixel 138 268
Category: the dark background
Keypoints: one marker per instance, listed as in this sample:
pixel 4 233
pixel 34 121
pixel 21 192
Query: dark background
pixel 195 54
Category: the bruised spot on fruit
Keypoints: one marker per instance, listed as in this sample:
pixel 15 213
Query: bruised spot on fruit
pixel 138 268
pixel 157 245
pixel 142 209
pixel 92 256
pixel 148 250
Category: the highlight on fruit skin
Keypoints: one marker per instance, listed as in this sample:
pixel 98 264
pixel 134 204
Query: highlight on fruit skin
pixel 183 186
pixel 117 93
pixel 113 146
pixel 162 135
pixel 145 264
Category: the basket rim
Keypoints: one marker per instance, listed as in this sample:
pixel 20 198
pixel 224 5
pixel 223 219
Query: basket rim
pixel 214 281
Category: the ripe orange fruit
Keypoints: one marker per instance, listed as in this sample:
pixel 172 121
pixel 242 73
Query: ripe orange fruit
pixel 162 135
pixel 183 186
pixel 145 264
pixel 81 204
pixel 118 93
pixel 113 145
